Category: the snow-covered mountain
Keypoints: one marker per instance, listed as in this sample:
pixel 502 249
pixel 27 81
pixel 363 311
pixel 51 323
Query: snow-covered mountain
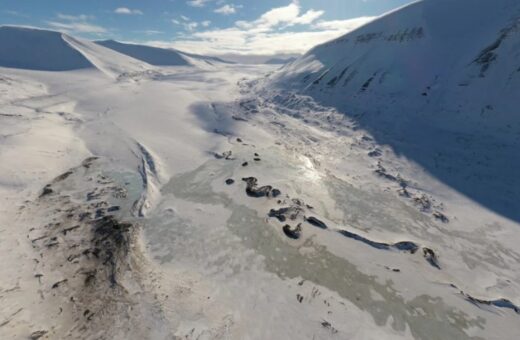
pixel 456 60
pixel 150 55
pixel 34 49
pixel 45 50
pixel 158 56
pixel 279 61
pixel 437 81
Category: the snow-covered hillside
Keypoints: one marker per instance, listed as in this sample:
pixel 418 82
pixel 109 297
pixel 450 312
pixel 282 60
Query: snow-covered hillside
pixel 44 50
pixel 437 80
pixel 148 54
pixel 32 49
pixel 280 61
pixel 159 56
pixel 447 60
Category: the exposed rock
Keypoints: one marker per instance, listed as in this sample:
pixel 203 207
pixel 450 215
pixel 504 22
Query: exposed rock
pixel 382 172
pixel 225 155
pixel 431 257
pixel 501 303
pixel 37 335
pixel 292 233
pixel 423 202
pixel 88 162
pixel 404 192
pixel 406 246
pixel 239 118
pixel 285 213
pixel 275 193
pixel 253 191
pixel 316 222
pixel 377 245
pixel 279 213
pixel 441 217
pixel 57 284
pixel 328 326
pixel 375 153
pixel 46 190
pixel 63 176
pixel 401 246
pixel 111 241
pixel 66 230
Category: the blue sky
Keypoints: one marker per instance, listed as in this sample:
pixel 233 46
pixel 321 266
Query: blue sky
pixel 202 26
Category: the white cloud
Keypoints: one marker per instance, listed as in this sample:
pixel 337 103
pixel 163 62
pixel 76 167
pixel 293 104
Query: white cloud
pixel 127 11
pixel 270 34
pixel 198 3
pixel 150 32
pixel 75 24
pixel 189 25
pixel 226 10
pixel 15 13
pixel 343 25
pixel 78 27
pixel 81 17
pixel 282 16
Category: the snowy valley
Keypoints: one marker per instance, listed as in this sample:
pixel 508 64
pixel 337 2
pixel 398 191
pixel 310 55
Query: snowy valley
pixel 368 189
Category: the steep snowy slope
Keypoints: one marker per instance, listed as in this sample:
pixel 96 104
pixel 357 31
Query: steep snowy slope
pixel 279 61
pixel 148 54
pixel 34 49
pixel 44 50
pixel 437 81
pixel 108 61
pixel 457 59
pixel 158 56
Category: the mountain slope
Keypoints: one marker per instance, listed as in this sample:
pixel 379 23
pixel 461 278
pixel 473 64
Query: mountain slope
pixel 437 81
pixel 44 50
pixel 106 60
pixel 158 56
pixel 456 59
pixel 279 61
pixel 35 49
pixel 148 54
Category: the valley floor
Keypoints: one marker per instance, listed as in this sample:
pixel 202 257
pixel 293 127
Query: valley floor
pixel 183 204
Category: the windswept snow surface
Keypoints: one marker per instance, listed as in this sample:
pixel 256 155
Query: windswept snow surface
pixel 168 202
